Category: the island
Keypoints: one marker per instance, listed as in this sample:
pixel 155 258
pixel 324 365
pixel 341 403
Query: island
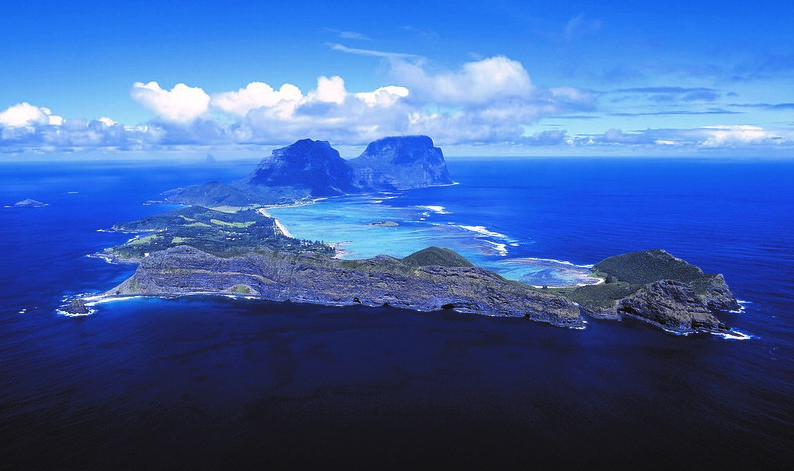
pixel 225 243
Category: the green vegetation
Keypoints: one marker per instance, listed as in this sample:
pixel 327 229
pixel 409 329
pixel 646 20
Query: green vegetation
pixel 241 289
pixel 233 209
pixel 135 286
pixel 602 296
pixel 219 233
pixel 648 266
pixel 232 224
pixel 143 240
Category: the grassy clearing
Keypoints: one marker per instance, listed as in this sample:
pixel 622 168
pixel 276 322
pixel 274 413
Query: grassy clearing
pixel 232 209
pixel 144 240
pixel 239 225
pixel 242 289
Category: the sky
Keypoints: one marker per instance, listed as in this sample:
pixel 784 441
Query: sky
pixel 496 77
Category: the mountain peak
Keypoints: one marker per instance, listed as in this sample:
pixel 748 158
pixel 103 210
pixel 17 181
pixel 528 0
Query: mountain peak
pixel 400 162
pixel 313 165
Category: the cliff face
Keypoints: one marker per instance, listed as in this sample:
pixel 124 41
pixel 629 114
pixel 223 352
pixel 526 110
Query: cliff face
pixel 671 304
pixel 659 288
pixel 313 165
pixel 400 163
pixel 279 276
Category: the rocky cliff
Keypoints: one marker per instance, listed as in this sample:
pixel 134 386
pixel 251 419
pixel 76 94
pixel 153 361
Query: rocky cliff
pixel 398 163
pixel 280 276
pixel 313 165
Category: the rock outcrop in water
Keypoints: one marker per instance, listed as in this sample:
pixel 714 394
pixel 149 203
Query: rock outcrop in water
pixel 311 169
pixel 659 288
pixel 429 280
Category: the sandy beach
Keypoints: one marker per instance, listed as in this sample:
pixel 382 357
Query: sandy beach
pixel 284 231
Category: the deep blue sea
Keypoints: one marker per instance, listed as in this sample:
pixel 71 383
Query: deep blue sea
pixel 202 383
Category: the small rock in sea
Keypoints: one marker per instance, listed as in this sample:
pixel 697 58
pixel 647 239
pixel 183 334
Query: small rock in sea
pixel 77 306
pixel 384 224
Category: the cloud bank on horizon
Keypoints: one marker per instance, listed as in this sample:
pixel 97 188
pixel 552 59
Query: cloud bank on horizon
pixel 487 102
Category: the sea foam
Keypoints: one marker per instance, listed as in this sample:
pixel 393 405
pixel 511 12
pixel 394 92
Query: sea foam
pixel 483 231
pixel 436 209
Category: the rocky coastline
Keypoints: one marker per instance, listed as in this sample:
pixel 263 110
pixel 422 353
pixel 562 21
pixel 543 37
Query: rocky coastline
pixel 429 280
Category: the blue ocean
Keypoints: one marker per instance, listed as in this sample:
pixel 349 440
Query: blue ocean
pixel 209 383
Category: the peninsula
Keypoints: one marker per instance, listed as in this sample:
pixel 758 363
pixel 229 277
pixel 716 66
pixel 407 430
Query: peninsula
pixel 222 244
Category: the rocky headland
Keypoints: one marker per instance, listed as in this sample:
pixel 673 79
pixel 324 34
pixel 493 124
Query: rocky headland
pixel 658 288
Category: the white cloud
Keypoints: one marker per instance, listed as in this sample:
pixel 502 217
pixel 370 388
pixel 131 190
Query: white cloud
pixel 256 95
pixel 107 121
pixel 480 82
pixel 26 115
pixel 706 138
pixel 383 96
pixel 329 90
pixel 489 101
pixel 572 97
pixel 726 136
pixel 181 104
pixel 372 52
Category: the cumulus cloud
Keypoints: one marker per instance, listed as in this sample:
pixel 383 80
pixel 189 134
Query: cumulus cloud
pixel 329 90
pixel 481 101
pixel 258 95
pixel 383 96
pixel 181 104
pixel 26 115
pixel 488 101
pixel 479 82
pixel 107 121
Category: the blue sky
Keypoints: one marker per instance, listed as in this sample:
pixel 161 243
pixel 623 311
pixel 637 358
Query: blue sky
pixel 481 77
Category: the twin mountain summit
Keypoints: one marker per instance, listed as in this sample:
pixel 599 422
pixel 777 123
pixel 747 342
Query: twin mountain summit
pixel 222 243
pixel 311 169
